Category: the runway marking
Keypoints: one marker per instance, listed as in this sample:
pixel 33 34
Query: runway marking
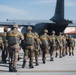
pixel 46 70
pixel 41 71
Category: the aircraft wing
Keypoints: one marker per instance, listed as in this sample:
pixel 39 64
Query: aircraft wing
pixel 24 22
pixel 72 24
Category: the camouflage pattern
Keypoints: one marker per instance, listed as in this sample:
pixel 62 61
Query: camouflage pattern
pixel 5 42
pixel 53 45
pixel 29 40
pixel 1 47
pixel 29 28
pixel 14 50
pixel 44 46
pixel 15 25
pixel 60 38
pixel 67 45
pixel 37 44
pixel 71 44
pixel 29 47
pixel 64 46
pixel 45 31
pixel 13 37
pixel 1 44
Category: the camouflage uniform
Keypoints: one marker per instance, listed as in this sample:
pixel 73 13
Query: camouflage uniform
pixel 53 45
pixel 64 45
pixel 71 44
pixel 29 47
pixel 67 44
pixel 37 44
pixel 13 37
pixel 5 42
pixel 1 46
pixel 45 44
pixel 60 37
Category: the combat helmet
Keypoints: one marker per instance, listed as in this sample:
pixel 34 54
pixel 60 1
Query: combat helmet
pixel 60 33
pixel 66 35
pixel 15 26
pixel 70 36
pixel 29 28
pixel 53 32
pixel 45 31
pixel 35 33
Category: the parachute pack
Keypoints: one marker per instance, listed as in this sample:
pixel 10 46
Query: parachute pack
pixel 3 35
pixel 12 38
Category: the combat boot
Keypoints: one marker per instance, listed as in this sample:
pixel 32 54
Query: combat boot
pixel 23 64
pixel 10 68
pixel 60 57
pixel 72 53
pixel 69 53
pixel 51 59
pixel 56 55
pixel 31 66
pixel 66 53
pixel 43 61
pixel 37 64
pixel 14 69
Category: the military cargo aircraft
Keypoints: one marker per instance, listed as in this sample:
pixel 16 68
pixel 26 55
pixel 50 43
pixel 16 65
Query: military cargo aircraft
pixel 57 22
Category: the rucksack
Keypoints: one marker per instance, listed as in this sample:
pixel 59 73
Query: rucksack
pixel 12 37
pixel 29 38
pixel 44 40
pixel 3 35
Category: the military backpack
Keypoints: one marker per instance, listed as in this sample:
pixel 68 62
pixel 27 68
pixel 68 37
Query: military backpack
pixel 3 35
pixel 12 37
pixel 29 39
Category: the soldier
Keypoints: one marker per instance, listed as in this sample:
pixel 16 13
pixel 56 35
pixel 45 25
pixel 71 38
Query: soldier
pixel 71 43
pixel 29 47
pixel 64 45
pixel 45 44
pixel 67 44
pixel 60 37
pixel 13 37
pixel 5 42
pixel 53 45
pixel 1 46
pixel 37 44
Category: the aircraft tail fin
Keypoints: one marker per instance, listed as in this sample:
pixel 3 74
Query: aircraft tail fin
pixel 59 11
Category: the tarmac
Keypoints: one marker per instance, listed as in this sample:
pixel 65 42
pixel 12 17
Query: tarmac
pixel 60 66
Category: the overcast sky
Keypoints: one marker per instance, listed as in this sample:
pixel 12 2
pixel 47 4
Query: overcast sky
pixel 34 9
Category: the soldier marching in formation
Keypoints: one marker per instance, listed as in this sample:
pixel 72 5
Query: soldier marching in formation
pixel 33 45
pixel 71 44
pixel 53 45
pixel 45 44
pixel 5 51
pixel 1 47
pixel 60 37
pixel 37 44
pixel 13 37
pixel 29 47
